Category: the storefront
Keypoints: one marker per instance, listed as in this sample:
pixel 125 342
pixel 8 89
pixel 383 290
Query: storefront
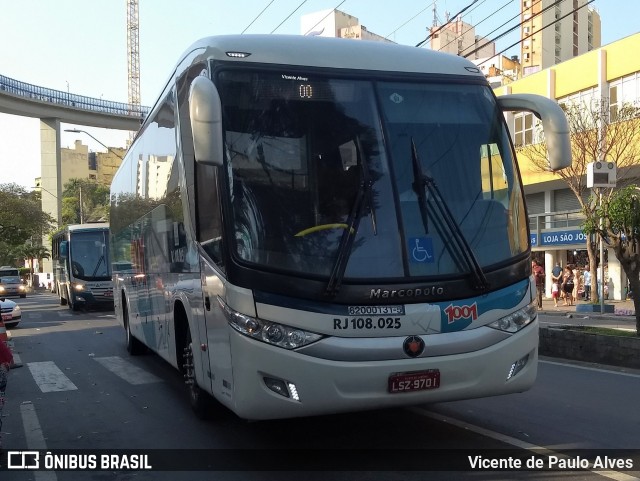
pixel 567 247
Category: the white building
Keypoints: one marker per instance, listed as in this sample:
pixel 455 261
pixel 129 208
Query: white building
pixel 334 23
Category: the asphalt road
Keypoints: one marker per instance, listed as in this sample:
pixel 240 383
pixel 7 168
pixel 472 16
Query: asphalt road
pixel 79 389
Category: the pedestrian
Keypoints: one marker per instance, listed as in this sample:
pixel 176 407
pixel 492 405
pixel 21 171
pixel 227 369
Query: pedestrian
pixel 538 274
pixel 577 283
pixel 556 276
pixel 555 292
pixel 586 279
pixel 6 359
pixel 567 286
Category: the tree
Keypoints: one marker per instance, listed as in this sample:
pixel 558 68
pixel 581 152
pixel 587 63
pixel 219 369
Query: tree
pixel 21 218
pixel 31 252
pixel 598 131
pixel 84 201
pixel 621 231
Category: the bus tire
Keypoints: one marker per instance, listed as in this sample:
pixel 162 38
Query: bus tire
pixel 200 401
pixel 72 305
pixel 134 346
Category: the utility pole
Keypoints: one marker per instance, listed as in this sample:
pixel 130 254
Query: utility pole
pixel 81 216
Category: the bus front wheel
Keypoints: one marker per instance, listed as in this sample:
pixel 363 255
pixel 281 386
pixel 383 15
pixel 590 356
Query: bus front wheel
pixel 199 400
pixel 63 301
pixel 134 346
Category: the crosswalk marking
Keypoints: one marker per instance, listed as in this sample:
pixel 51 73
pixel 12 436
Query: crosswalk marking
pixel 49 378
pixel 127 371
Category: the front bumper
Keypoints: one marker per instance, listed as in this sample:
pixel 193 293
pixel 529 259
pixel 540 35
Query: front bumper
pixel 328 386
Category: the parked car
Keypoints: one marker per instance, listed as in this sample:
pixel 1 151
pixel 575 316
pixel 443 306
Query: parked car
pixel 10 282
pixel 11 312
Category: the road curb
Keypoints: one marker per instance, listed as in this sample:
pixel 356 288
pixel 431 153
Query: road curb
pixel 570 342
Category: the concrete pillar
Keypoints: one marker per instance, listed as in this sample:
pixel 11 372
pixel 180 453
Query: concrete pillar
pixel 616 278
pixel 549 262
pixel 51 178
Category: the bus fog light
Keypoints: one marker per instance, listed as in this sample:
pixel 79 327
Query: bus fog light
pixel 278 386
pixel 294 392
pixel 517 366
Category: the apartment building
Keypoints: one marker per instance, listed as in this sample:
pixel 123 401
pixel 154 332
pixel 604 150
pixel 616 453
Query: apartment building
pixel 459 38
pixel 553 32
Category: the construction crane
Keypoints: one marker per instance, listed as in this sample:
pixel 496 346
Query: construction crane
pixel 133 55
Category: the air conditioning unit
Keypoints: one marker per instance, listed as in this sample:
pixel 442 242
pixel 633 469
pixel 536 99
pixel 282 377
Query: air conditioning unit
pixel 601 174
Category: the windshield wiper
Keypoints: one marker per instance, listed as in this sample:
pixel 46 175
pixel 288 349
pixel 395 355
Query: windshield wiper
pixel 458 246
pixel 353 221
pixel 98 265
pixel 419 181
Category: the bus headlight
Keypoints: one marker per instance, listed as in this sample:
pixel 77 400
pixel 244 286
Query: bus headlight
pixel 266 331
pixel 78 287
pixel 516 320
pixel 1 289
pixel 21 288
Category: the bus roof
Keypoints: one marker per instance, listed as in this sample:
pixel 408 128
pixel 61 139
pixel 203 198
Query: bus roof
pixel 329 52
pixel 87 227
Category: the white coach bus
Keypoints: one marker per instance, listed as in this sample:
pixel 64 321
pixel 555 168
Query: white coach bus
pixel 81 266
pixel 315 225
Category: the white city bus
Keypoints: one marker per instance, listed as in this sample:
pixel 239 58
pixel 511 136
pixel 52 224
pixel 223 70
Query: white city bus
pixel 317 225
pixel 81 266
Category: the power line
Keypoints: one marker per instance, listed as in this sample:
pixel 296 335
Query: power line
pixel 420 44
pixel 511 19
pixel 398 28
pixel 537 31
pixel 322 19
pixel 289 16
pixel 518 25
pixel 258 16
pixel 474 26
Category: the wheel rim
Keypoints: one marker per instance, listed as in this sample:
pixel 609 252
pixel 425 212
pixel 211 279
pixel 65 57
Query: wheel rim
pixel 189 370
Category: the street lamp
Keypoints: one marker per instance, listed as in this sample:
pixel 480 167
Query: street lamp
pixel 77 131
pixel 57 198
pixel 42 188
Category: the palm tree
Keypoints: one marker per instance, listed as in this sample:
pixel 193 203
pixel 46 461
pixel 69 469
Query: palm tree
pixel 32 252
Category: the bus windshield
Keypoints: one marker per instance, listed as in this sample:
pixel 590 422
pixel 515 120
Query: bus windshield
pixel 313 159
pixel 89 255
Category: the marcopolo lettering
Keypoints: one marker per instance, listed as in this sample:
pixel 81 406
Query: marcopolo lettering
pixel 428 291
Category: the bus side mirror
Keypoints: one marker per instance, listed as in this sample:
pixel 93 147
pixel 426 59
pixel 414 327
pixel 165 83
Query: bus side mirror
pixel 63 250
pixel 554 123
pixel 205 112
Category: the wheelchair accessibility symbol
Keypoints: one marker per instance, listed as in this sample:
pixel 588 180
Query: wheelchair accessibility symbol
pixel 421 249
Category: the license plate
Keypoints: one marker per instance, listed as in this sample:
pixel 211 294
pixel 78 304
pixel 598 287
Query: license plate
pixel 7 317
pixel 414 381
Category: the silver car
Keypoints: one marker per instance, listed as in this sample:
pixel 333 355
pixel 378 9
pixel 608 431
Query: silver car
pixel 11 312
pixel 10 283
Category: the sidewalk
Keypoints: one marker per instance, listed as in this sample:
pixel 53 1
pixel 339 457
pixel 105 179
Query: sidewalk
pixel 623 309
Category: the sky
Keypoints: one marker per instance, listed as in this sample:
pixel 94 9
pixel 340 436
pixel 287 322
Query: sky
pixel 80 46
